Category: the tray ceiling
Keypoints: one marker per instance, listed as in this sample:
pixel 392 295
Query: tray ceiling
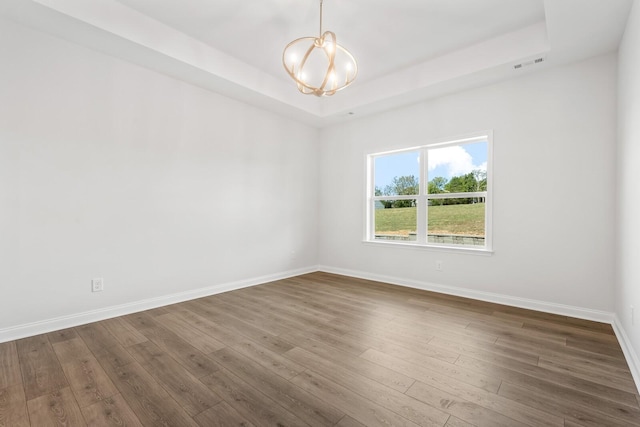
pixel 407 50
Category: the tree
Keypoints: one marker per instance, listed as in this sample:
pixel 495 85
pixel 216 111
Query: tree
pixel 461 184
pixel 436 186
pixel 474 181
pixel 386 203
pixel 403 186
pixel 481 182
pixel 481 179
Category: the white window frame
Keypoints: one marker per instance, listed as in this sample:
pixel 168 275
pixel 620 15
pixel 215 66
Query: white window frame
pixel 422 198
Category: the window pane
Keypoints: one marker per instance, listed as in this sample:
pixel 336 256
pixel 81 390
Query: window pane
pixel 395 220
pixel 456 221
pixel 458 168
pixel 397 174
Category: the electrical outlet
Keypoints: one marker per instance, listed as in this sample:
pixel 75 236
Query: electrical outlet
pixel 97 284
pixel 438 265
pixel 633 317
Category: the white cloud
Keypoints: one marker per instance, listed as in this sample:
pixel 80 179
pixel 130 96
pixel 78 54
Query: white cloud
pixel 456 159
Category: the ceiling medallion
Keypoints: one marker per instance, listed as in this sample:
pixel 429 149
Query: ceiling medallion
pixel 319 65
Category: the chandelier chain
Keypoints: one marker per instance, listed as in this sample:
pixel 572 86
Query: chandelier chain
pixel 320 34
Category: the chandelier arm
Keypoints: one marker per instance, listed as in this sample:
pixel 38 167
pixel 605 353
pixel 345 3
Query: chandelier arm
pixel 354 71
pixel 331 56
pixel 301 67
pixel 303 87
pixel 305 57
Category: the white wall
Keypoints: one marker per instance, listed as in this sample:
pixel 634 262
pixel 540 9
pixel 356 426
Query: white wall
pixel 111 170
pixel 628 213
pixel 554 182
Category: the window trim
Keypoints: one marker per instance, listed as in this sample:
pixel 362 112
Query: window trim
pixel 422 198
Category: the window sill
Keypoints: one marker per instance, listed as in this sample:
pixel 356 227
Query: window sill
pixel 435 248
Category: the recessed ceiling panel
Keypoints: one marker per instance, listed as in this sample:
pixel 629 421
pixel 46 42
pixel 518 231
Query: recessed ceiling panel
pixel 384 36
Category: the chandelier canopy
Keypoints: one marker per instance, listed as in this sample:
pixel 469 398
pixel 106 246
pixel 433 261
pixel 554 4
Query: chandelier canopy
pixel 319 65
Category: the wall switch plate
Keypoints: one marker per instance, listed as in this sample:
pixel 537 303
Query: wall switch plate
pixel 97 285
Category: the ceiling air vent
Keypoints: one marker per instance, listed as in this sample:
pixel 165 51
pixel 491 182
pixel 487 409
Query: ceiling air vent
pixel 528 63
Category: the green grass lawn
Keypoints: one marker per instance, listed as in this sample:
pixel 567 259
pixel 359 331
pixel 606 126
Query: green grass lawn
pixel 449 219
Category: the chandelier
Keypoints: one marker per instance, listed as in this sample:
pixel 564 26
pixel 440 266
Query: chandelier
pixel 319 65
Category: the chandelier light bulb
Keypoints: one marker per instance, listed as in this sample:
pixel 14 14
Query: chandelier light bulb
pixel 330 65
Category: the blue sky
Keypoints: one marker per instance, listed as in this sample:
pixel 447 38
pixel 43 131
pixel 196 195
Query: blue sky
pixel 446 162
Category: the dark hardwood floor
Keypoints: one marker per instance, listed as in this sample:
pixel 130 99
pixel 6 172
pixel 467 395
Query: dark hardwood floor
pixel 321 350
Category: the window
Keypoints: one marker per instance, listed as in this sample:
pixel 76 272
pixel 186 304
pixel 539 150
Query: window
pixel 436 195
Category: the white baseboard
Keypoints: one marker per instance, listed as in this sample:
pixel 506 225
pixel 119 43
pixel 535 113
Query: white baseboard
pixel 63 322
pixel 632 358
pixel 547 307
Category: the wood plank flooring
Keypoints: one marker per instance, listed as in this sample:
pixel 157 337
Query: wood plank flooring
pixel 322 350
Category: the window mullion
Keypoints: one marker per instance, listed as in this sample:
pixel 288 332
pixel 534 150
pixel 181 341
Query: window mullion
pixel 421 201
pixel 370 227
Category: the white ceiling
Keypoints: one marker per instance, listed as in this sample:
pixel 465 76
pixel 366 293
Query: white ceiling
pixel 407 50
